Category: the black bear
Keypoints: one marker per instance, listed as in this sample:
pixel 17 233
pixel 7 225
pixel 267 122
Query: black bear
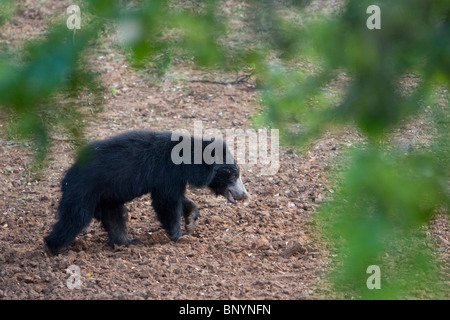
pixel 108 173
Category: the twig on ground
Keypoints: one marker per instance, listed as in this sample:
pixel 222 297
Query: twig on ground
pixel 239 79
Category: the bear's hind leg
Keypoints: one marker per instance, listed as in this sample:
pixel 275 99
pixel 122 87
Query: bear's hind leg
pixel 73 218
pixel 114 217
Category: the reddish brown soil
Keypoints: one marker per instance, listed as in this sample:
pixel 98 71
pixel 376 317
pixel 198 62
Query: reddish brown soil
pixel 236 252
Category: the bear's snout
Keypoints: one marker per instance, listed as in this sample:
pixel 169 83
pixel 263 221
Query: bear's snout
pixel 236 191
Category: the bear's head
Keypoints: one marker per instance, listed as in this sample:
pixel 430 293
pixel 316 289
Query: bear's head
pixel 228 183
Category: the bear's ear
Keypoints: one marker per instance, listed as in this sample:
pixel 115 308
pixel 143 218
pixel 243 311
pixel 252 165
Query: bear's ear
pixel 201 175
pixel 212 173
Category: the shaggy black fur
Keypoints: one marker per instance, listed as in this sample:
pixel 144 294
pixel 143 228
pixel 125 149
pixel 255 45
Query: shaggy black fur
pixel 109 173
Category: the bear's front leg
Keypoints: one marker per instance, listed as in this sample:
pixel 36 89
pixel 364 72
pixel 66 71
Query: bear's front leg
pixel 190 212
pixel 169 213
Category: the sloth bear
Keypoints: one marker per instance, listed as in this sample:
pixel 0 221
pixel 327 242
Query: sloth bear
pixel 108 173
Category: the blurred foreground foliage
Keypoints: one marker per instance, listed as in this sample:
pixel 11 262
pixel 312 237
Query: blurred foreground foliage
pixel 375 80
pixel 315 72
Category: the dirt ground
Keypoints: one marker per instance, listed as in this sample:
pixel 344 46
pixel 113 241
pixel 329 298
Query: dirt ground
pixel 236 252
